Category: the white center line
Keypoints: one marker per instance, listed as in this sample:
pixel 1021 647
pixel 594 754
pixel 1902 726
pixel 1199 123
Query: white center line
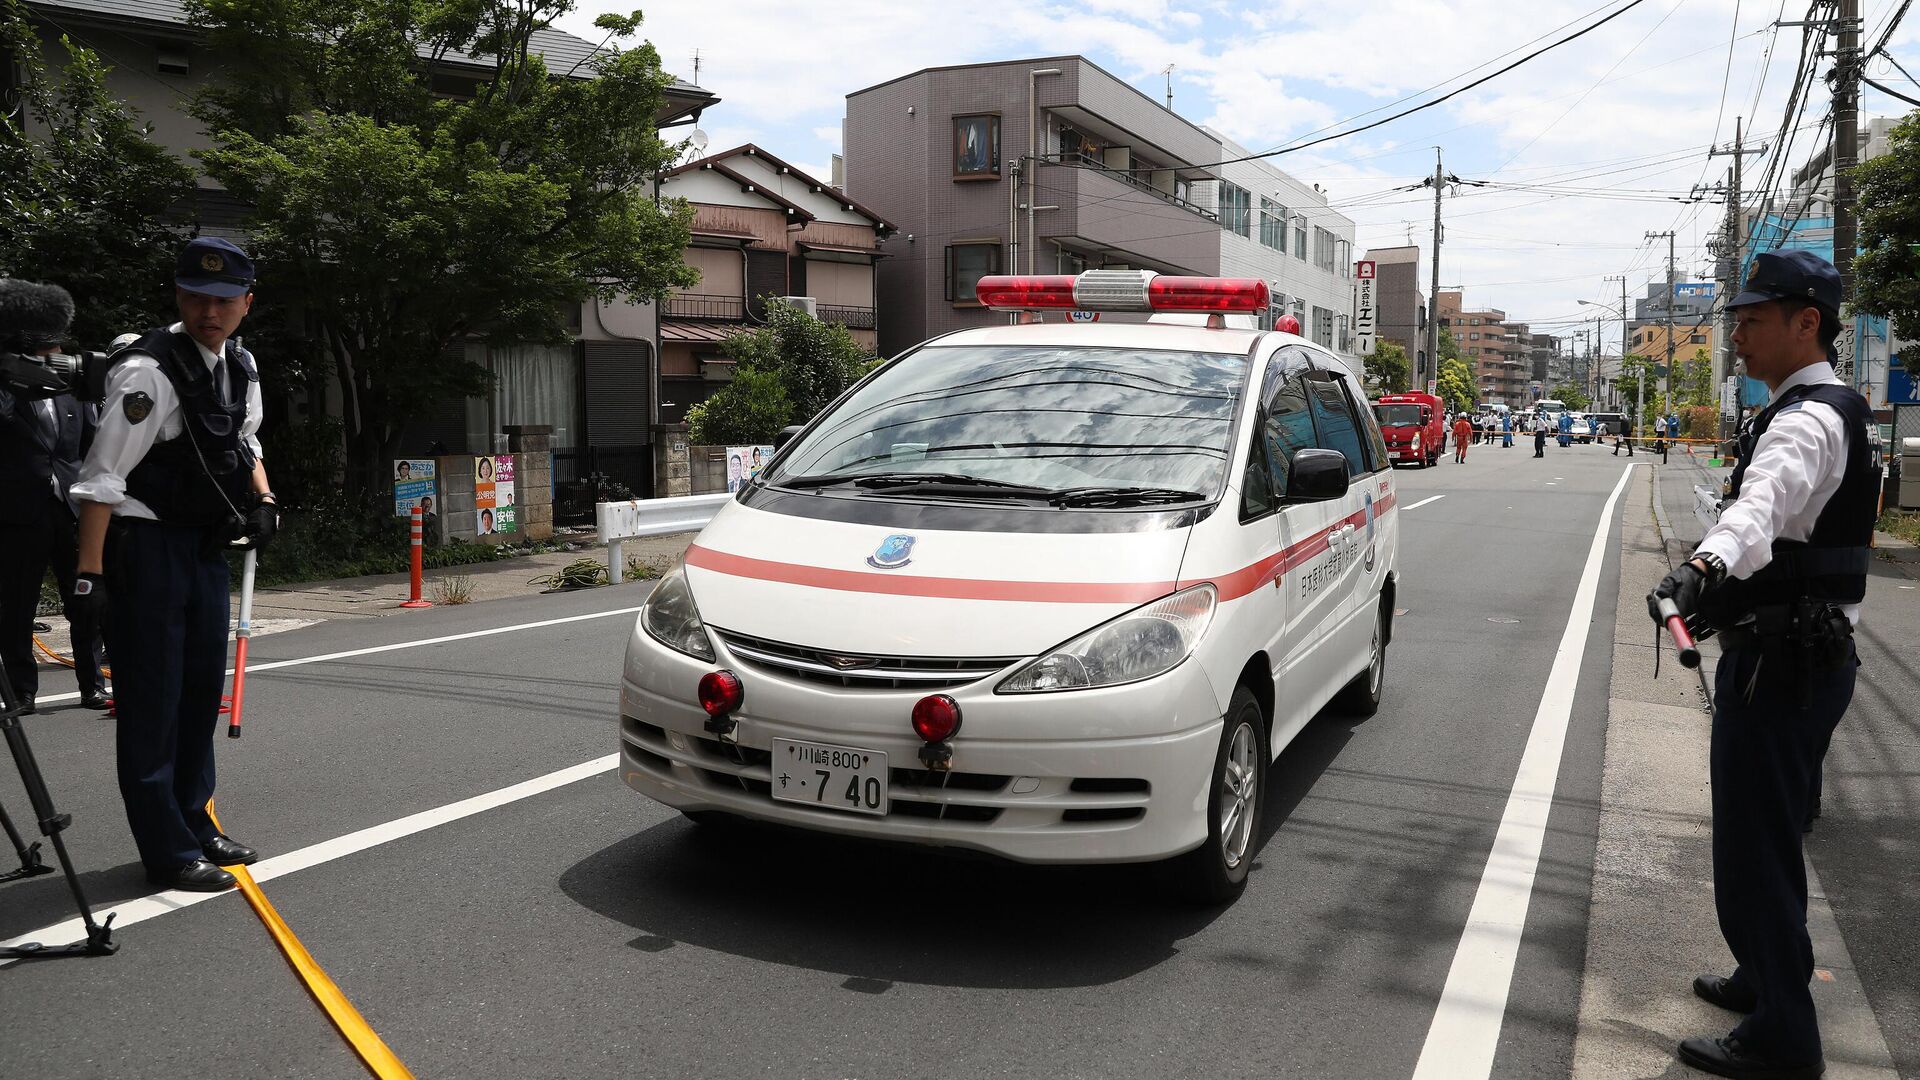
pixel 255 669
pixel 161 903
pixel 1421 503
pixel 1466 1026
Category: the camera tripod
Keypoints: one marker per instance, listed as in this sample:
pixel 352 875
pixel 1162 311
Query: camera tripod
pixel 99 941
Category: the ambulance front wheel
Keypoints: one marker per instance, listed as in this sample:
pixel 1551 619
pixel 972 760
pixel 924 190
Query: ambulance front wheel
pixel 1216 871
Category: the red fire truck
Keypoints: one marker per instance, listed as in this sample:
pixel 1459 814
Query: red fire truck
pixel 1413 425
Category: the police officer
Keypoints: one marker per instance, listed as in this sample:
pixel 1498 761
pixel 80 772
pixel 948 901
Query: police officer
pixel 174 479
pixel 42 438
pixel 1781 577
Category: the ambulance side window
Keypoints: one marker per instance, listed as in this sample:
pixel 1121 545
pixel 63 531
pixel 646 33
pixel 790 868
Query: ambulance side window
pixel 1289 420
pixel 1338 430
pixel 1256 488
pixel 1378 458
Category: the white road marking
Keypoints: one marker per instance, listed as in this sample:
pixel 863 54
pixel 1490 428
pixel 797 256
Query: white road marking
pixel 158 904
pixel 255 669
pixel 1423 502
pixel 1466 1026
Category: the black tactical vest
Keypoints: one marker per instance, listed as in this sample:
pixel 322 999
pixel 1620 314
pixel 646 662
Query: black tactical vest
pixel 201 475
pixel 1831 564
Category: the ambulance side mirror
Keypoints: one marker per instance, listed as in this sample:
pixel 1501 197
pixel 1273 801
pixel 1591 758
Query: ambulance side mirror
pixel 785 435
pixel 1317 476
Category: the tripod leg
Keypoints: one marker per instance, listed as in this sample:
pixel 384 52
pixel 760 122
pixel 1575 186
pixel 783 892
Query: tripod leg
pixel 30 864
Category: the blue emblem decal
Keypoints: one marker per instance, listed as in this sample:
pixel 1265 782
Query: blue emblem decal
pixel 894 552
pixel 1369 516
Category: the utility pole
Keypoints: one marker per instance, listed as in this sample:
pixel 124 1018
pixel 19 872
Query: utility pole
pixel 1671 291
pixel 1846 150
pixel 1433 298
pixel 1733 256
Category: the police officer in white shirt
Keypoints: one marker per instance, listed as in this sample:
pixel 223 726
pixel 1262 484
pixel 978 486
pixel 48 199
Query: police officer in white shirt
pixel 1780 577
pixel 173 481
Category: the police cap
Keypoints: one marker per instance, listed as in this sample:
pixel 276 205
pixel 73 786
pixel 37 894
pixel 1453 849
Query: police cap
pixel 214 266
pixel 1791 275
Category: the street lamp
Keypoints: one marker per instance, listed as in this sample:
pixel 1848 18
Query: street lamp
pixel 1640 383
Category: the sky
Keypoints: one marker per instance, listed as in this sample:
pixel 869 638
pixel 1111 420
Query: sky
pixel 1604 134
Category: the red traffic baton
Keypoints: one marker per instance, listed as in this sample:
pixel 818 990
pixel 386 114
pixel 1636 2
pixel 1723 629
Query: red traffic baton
pixel 1677 629
pixel 241 633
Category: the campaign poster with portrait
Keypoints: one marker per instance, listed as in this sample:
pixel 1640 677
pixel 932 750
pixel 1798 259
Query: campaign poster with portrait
pixel 413 486
pixel 744 464
pixel 493 505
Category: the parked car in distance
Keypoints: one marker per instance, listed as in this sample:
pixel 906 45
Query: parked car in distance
pixel 1582 428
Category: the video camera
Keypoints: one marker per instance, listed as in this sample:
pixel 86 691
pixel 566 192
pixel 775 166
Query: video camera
pixel 82 374
pixel 34 317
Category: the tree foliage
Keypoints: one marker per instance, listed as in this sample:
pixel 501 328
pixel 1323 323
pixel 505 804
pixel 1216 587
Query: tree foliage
pixel 86 198
pixel 1886 273
pixel 1388 363
pixel 400 207
pixel 1456 384
pixel 1573 395
pixel 790 368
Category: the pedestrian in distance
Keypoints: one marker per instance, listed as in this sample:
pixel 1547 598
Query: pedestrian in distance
pixel 1539 439
pixel 1506 431
pixel 173 481
pixel 1780 577
pixel 42 439
pixel 1623 434
pixel 1462 432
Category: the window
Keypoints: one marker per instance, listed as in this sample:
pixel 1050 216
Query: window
pixel 976 147
pixel 1300 237
pixel 1323 327
pixel 1256 489
pixel 1273 224
pixel 1334 417
pixel 1289 425
pixel 967 263
pixel 1236 209
pixel 1346 334
pixel 1345 257
pixel 1323 250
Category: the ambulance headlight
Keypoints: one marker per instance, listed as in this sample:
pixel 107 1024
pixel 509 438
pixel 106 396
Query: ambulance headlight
pixel 1140 644
pixel 673 621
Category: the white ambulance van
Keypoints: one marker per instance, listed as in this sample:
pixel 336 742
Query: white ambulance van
pixel 1058 591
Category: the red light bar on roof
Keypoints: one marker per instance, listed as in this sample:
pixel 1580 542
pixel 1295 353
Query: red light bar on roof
pixel 1122 290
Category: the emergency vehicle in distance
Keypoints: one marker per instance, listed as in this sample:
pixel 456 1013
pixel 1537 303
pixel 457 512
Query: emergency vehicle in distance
pixel 1058 592
pixel 1414 426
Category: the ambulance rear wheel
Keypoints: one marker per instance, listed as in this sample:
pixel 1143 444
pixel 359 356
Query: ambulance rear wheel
pixel 1361 697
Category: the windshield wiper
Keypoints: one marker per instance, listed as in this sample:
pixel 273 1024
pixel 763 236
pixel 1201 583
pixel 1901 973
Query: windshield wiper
pixel 1121 496
pixel 920 483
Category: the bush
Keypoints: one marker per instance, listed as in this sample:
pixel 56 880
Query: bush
pixel 1700 422
pixel 337 536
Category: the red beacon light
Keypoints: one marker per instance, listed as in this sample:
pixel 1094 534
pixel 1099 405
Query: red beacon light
pixel 720 694
pixel 1121 290
pixel 1287 324
pixel 936 718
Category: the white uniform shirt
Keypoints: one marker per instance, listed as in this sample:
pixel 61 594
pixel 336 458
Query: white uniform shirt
pixel 1797 465
pixel 119 444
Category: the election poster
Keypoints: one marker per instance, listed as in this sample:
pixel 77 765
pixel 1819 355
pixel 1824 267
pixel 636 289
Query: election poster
pixel 744 464
pixel 413 486
pixel 493 506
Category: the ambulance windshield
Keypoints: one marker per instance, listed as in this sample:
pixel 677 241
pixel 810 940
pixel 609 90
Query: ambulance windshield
pixel 1042 419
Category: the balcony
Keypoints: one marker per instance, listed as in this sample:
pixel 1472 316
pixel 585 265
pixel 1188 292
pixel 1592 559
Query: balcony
pixel 705 306
pixel 1111 213
pixel 853 318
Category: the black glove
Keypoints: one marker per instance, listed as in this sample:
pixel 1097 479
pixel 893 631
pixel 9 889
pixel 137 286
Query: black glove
pixel 90 597
pixel 1684 586
pixel 263 520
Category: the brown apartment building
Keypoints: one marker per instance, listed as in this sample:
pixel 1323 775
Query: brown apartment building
pixel 761 228
pixel 1401 306
pixel 1499 352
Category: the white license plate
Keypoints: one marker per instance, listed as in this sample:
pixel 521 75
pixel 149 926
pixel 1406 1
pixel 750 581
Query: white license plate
pixel 835 777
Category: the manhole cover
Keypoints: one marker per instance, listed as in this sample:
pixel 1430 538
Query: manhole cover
pixel 1502 619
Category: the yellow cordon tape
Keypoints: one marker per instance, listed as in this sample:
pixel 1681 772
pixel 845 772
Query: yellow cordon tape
pixel 373 1051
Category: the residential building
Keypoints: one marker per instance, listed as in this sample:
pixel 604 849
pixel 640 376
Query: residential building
pixel 598 392
pixel 1499 352
pixel 761 228
pixel 1400 308
pixel 1543 353
pixel 1053 165
pixel 1689 338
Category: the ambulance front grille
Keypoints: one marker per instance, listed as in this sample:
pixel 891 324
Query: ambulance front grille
pixel 862 672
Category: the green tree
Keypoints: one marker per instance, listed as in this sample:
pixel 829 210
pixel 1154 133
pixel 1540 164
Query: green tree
pixel 1692 382
pixel 1886 273
pixel 86 198
pixel 1571 393
pixel 1388 363
pixel 790 369
pixel 392 222
pixel 1456 384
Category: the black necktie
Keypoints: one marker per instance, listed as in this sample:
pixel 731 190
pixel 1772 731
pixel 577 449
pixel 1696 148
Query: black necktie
pixel 220 395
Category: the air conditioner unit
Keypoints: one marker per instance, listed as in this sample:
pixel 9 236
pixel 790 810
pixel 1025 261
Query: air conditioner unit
pixel 804 303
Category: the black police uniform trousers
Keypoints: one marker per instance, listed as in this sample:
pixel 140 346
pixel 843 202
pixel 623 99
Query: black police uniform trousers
pixel 32 549
pixel 1765 759
pixel 167 586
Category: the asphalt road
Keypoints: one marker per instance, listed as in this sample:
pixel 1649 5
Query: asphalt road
pixel 584 931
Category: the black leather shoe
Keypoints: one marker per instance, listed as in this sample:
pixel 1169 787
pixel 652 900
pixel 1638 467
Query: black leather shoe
pixel 1724 992
pixel 26 706
pixel 94 699
pixel 223 850
pixel 197 876
pixel 1729 1057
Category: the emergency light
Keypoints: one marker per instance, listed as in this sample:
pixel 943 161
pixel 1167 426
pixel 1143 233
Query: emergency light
pixel 1121 290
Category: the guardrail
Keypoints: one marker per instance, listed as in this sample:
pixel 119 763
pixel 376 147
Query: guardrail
pixel 616 522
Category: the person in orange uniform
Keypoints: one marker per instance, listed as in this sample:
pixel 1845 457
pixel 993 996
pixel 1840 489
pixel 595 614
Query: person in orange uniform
pixel 1462 434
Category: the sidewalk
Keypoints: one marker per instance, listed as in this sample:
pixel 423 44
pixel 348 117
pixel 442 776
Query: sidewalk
pixel 1652 925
